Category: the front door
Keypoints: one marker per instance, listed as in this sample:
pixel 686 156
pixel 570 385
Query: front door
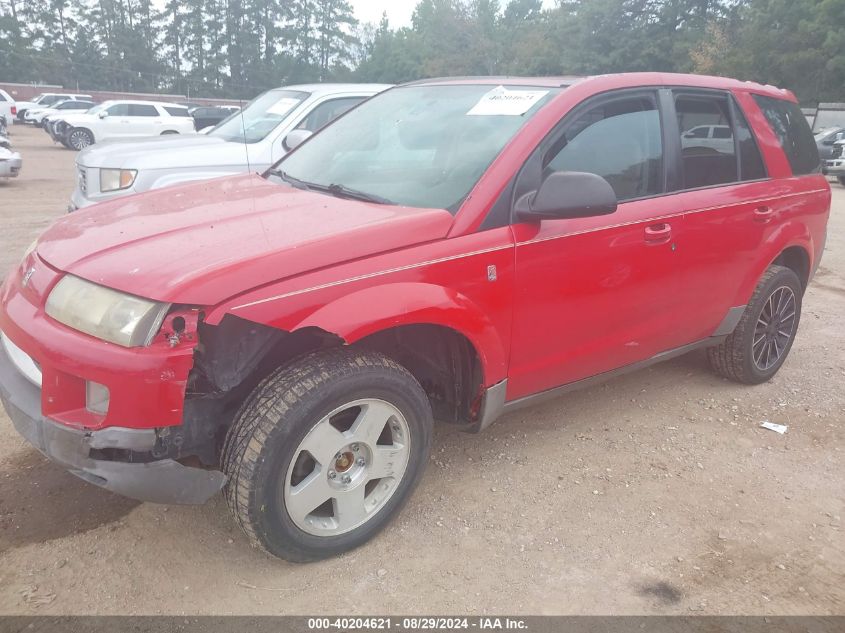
pixel 594 294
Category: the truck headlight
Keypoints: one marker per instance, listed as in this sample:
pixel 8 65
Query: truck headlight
pixel 105 313
pixel 116 179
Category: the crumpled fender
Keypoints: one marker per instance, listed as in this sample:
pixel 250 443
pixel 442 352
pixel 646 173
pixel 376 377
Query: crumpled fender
pixel 358 314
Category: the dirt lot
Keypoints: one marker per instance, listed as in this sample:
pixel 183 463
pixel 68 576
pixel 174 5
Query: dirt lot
pixel 654 493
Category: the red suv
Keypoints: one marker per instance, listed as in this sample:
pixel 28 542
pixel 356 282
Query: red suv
pixel 451 249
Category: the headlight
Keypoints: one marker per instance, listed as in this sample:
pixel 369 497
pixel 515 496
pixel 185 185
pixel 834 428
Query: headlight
pixel 116 179
pixel 105 313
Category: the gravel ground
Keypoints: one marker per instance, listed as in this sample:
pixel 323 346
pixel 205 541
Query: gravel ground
pixel 655 493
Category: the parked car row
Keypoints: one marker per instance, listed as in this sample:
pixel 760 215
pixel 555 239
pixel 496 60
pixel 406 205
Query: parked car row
pixel 447 250
pixel 10 161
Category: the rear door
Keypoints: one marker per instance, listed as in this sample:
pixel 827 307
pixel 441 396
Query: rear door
pixel 731 212
pixel 595 294
pixel 144 119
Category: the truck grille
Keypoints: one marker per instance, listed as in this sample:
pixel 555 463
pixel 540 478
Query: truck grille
pixel 83 180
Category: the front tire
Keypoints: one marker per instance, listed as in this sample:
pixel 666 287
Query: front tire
pixel 759 345
pixel 324 453
pixel 841 180
pixel 80 138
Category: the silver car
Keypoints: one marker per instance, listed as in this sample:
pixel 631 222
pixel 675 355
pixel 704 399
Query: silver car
pixel 249 140
pixel 10 163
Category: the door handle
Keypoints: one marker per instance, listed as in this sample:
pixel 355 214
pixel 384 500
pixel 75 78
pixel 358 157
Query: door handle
pixel 763 214
pixel 658 234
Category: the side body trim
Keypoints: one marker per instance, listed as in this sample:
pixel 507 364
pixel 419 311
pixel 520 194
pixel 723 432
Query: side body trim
pixel 494 405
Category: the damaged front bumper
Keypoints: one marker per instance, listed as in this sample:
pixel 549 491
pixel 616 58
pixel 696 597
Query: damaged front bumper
pixel 158 481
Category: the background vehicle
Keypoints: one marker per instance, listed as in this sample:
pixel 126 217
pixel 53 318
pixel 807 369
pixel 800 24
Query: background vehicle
pixel 210 116
pixel 826 139
pixel 718 138
pixel 47 99
pixel 249 141
pixel 8 107
pixel 36 116
pixel 10 162
pixel 835 164
pixel 122 120
pixel 450 250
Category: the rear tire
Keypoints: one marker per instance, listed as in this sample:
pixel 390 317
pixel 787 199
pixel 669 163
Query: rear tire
pixel 345 431
pixel 758 347
pixel 79 138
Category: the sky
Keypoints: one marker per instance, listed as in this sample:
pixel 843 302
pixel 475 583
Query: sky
pixel 398 11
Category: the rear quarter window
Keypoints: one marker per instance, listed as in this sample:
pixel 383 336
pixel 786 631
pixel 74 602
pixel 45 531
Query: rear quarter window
pixel 177 111
pixel 793 132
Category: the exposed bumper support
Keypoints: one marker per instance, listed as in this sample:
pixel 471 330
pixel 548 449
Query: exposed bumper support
pixel 162 481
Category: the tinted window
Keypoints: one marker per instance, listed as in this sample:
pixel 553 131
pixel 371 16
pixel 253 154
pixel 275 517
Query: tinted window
pixel 793 132
pixel 327 112
pixel 119 109
pixel 2 98
pixel 710 160
pixel 751 166
pixel 136 109
pixel 620 141
pixel 176 111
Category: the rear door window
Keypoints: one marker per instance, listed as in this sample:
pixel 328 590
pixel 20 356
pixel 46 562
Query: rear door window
pixel 792 130
pixel 137 109
pixel 707 160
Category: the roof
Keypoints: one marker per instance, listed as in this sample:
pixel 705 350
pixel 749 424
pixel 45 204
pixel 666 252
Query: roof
pixel 141 102
pixel 331 87
pixel 620 80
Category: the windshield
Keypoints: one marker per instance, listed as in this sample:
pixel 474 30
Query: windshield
pixel 46 100
pixel 260 117
pixel 419 146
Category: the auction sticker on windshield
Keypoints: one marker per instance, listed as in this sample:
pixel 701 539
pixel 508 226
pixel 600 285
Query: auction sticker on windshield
pixel 283 106
pixel 501 101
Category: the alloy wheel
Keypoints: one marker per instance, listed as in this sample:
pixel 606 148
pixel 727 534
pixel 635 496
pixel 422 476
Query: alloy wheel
pixel 775 328
pixel 347 467
pixel 79 139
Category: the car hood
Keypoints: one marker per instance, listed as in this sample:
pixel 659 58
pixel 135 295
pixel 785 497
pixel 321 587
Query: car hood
pixel 156 152
pixel 202 243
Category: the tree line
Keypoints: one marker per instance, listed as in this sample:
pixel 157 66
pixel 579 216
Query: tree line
pixel 238 48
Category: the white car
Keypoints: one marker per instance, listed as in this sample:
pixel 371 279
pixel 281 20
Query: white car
pixel 46 99
pixel 10 163
pixel 249 140
pixel 36 116
pixel 124 120
pixel 8 107
pixel 718 138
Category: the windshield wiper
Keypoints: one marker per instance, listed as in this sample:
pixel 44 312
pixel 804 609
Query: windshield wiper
pixel 342 191
pixel 339 191
pixel 296 182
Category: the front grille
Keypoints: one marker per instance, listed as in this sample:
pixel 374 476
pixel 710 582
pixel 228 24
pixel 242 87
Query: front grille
pixel 83 180
pixel 837 151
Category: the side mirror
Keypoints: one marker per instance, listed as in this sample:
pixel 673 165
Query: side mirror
pixel 296 138
pixel 568 194
pixel 103 114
